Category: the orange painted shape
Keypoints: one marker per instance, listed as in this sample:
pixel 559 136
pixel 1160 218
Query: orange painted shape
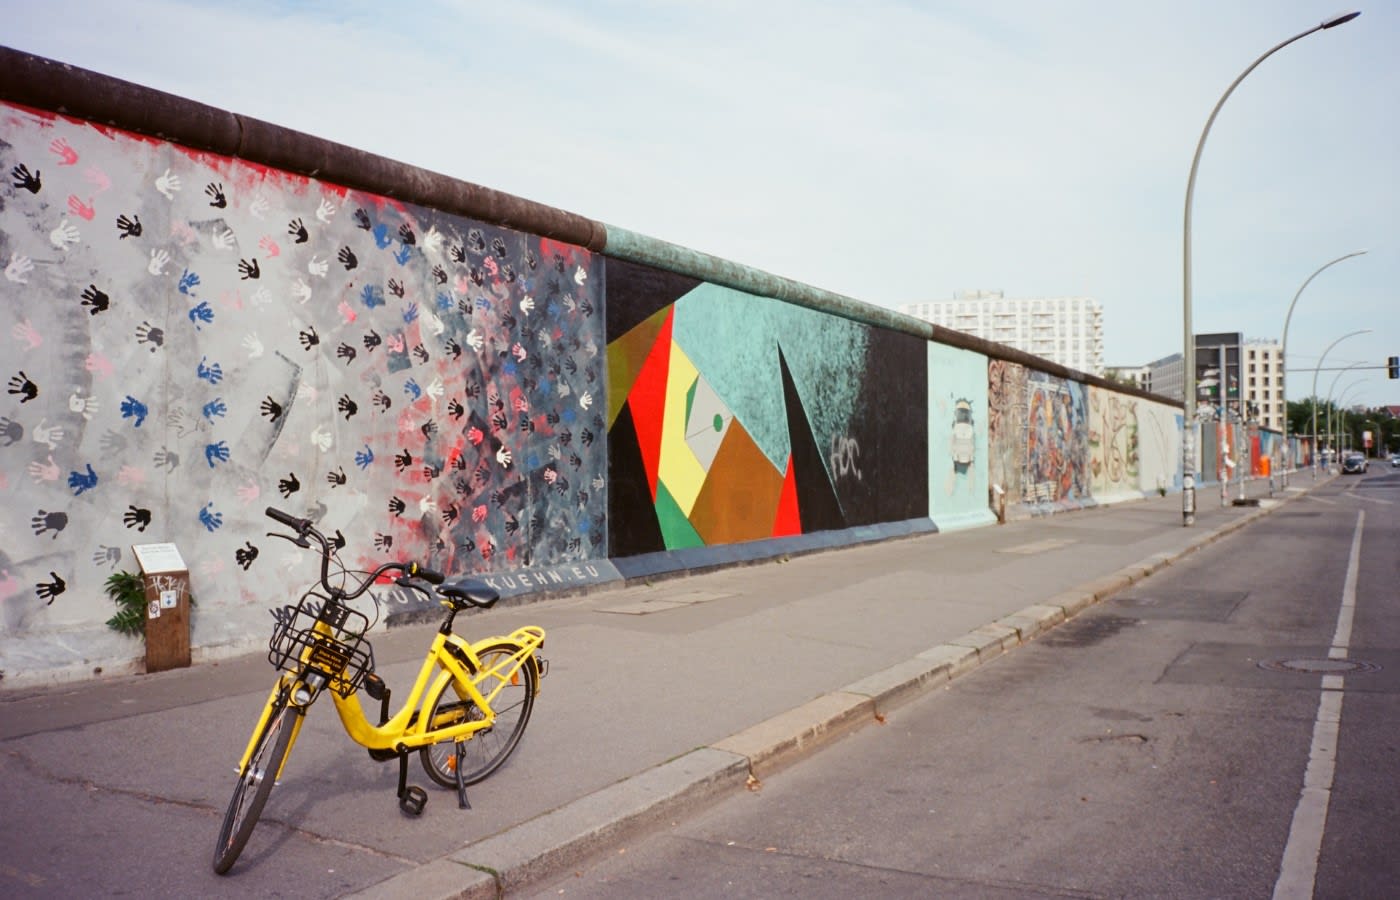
pixel 739 500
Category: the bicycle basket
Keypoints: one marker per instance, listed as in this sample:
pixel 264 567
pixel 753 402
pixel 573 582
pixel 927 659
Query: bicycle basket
pixel 338 650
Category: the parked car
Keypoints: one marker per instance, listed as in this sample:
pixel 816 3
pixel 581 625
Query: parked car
pixel 1395 460
pixel 1353 464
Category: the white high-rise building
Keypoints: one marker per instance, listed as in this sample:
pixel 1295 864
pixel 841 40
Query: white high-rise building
pixel 1263 381
pixel 1066 330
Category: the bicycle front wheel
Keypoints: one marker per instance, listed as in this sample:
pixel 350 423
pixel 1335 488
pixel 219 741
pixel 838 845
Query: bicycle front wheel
pixel 255 784
pixel 487 749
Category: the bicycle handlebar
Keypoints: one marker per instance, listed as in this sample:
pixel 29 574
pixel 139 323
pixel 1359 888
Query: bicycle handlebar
pixel 304 529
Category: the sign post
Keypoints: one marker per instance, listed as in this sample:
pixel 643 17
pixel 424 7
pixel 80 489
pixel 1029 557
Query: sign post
pixel 167 582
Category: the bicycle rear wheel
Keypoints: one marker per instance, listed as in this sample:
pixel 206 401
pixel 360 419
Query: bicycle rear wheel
pixel 487 749
pixel 255 784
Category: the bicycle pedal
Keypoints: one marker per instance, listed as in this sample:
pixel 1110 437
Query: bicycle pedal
pixel 413 800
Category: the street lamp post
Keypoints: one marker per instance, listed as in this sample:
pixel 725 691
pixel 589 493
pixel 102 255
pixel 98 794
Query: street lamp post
pixel 1283 360
pixel 1188 440
pixel 1329 397
pixel 1341 412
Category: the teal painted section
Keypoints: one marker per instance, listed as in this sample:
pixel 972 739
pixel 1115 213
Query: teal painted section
pixel 957 426
pixel 734 338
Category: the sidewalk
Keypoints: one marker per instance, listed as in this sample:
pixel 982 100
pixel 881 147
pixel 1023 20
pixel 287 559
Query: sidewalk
pixel 670 694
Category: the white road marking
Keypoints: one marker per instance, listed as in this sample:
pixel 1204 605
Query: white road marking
pixel 1297 877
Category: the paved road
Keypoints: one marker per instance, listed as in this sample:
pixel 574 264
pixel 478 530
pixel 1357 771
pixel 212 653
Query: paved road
pixel 1154 746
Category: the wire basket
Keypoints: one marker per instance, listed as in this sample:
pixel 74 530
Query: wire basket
pixel 339 650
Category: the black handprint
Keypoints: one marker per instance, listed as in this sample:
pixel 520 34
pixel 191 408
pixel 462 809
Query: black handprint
pixel 403 460
pixel 532 260
pixel 499 498
pixel 526 425
pixel 483 474
pixel 383 542
pixel 463 487
pixel 309 338
pixel 459 253
pixel 450 513
pixel 22 178
pixel 382 401
pixel 576 461
pixel 478 278
pixel 22 386
pixel 421 352
pixel 338 542
pixel 429 428
pixel 248 268
pixel 508 273
pixel 431 472
pixel 473 390
pixel 345 352
pixel 566 437
pixel 271 408
pixel 475 240
pixel 146 333
pixel 347 406
pixel 512 524
pixel 136 517
pixel 245 555
pixel 396 506
pixel 395 288
pixel 297 230
pixel 106 556
pixel 11 431
pixel 216 192
pixel 439 274
pixel 498 247
pixel 129 226
pixel 499 422
pixel 95 300
pixel 455 409
pixel 289 485
pixel 587 437
pixel 44 522
pixel 347 258
pixel 52 589
pixel 406 234
pixel 167 459
pixel 509 321
pixel 453 349
pixel 337 478
pixel 362 220
pixel 373 340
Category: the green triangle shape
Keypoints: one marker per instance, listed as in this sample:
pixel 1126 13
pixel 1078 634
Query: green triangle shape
pixel 676 529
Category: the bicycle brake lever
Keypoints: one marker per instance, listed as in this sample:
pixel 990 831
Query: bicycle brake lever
pixel 300 540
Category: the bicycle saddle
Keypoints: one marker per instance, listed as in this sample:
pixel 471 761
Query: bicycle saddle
pixel 473 591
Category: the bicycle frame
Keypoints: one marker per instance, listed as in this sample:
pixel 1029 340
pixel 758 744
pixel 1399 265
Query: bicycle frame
pixel 454 659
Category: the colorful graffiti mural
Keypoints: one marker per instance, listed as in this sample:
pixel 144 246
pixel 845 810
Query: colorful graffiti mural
pixel 1113 444
pixel 192 338
pixel 738 418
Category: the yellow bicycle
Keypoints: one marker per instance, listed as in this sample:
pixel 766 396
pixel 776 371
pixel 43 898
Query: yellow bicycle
pixel 464 715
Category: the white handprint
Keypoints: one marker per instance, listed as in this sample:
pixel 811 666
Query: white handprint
pixel 527 305
pixel 555 452
pixel 65 235
pixel 580 276
pixel 49 436
pixel 432 241
pixel 586 400
pixel 41 472
pixel 325 211
pixel 168 184
pixel 19 267
pixel 475 341
pixel 318 267
pixel 322 439
pixel 503 457
pixel 84 406
pixel 253 345
pixel 432 323
pixel 598 482
pixel 435 389
pixel 223 240
pixel 563 389
pixel 159 260
pixel 569 303
pixel 427 505
pixel 301 291
pixel 259 206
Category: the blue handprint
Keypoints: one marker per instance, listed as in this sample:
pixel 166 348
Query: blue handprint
pixel 134 409
pixel 444 302
pixel 483 305
pixel 412 389
pixel 364 457
pixel 411 313
pixel 80 482
pixel 212 374
pixel 209 518
pixel 382 237
pixel 216 407
pixel 202 313
pixel 216 453
pixel 372 296
pixel 404 255
pixel 188 282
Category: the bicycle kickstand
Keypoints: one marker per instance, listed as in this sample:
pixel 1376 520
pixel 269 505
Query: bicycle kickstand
pixel 461 785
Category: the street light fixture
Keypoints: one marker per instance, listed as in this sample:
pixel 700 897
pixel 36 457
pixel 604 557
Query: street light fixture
pixel 1283 360
pixel 1188 440
pixel 1341 412
pixel 1329 396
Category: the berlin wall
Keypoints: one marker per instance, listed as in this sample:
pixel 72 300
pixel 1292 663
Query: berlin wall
pixel 478 384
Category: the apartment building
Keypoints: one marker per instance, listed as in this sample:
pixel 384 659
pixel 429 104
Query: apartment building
pixel 1065 330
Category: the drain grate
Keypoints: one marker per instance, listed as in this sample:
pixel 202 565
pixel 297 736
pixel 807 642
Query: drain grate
pixel 1319 666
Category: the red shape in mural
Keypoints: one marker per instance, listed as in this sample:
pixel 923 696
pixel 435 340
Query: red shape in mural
pixel 789 519
pixel 647 401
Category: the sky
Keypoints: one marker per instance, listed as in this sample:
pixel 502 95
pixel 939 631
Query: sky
pixel 893 152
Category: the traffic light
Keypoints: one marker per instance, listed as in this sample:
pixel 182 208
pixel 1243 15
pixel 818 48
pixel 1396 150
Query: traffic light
pixel 1394 364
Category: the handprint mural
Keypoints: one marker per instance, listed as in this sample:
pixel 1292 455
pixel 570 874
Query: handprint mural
pixel 203 285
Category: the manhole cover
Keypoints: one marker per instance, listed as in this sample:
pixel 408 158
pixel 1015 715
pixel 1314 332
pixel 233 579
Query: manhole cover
pixel 1321 666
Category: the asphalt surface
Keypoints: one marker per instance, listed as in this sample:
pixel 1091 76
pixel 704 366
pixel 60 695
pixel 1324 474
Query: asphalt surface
pixel 660 696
